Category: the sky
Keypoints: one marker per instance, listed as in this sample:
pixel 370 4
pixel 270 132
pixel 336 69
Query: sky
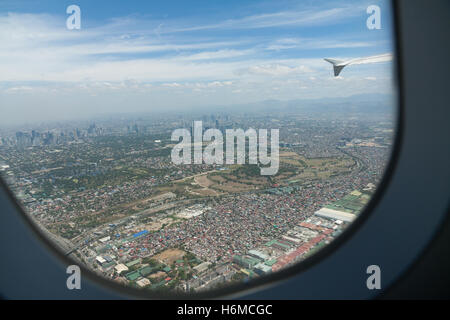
pixel 138 56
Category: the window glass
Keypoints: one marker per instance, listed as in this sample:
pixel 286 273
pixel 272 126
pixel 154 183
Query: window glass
pixel 182 146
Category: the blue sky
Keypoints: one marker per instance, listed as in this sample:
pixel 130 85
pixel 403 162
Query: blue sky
pixel 148 55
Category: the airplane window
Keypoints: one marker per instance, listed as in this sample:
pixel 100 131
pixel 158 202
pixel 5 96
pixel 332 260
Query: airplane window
pixel 184 146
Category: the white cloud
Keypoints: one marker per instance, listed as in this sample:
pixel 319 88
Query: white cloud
pixel 309 17
pixel 172 85
pixel 219 54
pixel 303 43
pixel 19 90
pixel 275 70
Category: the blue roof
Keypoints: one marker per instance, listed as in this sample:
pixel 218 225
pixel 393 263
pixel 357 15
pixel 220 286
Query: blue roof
pixel 140 233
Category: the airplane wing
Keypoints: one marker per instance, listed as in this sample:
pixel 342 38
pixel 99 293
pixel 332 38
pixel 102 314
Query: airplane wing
pixel 372 59
pixel 338 65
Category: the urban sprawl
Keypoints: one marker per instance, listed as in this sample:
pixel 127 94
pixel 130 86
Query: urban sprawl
pixel 107 193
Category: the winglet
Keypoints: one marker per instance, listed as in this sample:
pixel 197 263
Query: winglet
pixel 337 67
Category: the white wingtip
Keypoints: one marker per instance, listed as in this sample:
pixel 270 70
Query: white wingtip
pixel 337 65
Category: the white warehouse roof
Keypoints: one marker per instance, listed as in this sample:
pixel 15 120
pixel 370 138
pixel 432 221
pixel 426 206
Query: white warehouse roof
pixel 335 214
